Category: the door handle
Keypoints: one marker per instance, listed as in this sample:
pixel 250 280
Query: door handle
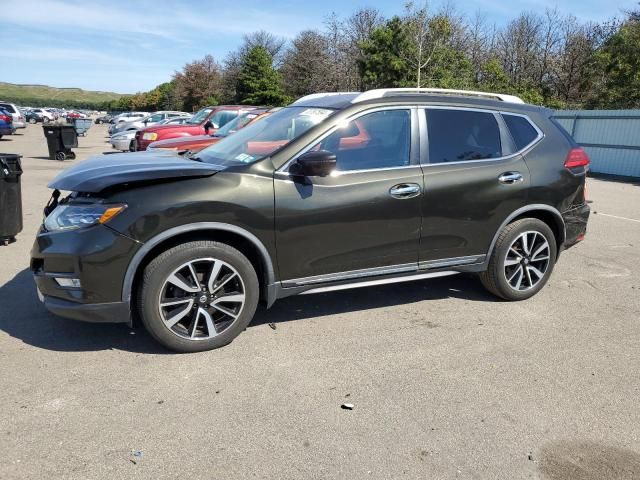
pixel 509 178
pixel 405 190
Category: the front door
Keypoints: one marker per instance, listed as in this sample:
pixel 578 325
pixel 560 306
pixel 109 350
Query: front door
pixel 362 220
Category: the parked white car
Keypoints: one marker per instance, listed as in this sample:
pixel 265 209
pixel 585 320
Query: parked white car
pixel 44 114
pixel 125 117
pixel 125 141
pixel 152 119
pixel 18 118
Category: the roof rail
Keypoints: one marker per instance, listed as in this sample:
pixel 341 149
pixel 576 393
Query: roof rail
pixel 314 96
pixel 387 92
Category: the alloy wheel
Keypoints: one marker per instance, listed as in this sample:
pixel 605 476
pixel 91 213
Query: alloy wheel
pixel 201 299
pixel 527 260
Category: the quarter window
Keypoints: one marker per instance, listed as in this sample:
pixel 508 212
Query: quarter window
pixel 521 130
pixel 375 140
pixel 462 135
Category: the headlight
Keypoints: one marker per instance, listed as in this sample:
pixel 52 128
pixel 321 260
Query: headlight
pixel 68 217
pixel 149 136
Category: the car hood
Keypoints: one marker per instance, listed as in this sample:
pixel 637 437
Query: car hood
pixel 103 171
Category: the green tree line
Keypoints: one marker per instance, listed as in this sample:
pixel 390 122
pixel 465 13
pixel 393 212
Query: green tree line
pixel 547 59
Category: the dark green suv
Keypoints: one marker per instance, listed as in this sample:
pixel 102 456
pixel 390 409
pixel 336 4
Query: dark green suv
pixel 337 190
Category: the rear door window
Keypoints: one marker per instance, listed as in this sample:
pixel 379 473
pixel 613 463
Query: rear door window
pixel 462 135
pixel 7 107
pixel 522 132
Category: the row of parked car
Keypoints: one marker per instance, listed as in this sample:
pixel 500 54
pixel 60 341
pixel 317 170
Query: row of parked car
pixel 13 117
pixel 180 131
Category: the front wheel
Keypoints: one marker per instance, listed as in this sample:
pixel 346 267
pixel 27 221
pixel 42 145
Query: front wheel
pixel 198 296
pixel 522 260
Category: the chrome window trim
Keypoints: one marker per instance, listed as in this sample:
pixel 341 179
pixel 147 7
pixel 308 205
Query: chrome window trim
pixel 532 123
pixel 482 110
pixel 284 169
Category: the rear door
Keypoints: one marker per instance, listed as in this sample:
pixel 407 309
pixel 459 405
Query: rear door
pixel 362 220
pixel 473 180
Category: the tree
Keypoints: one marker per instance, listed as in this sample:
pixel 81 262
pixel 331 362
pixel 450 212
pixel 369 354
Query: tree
pixel 383 63
pixel 258 83
pixel 199 84
pixel 305 65
pixel 618 62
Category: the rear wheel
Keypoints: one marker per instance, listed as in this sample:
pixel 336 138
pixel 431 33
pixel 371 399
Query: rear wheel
pixel 522 260
pixel 198 296
pixel 61 156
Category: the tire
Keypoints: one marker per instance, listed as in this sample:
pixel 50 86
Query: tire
pixel 32 121
pixel 132 146
pixel 236 277
pixel 71 155
pixel 61 156
pixel 99 122
pixel 45 120
pixel 511 273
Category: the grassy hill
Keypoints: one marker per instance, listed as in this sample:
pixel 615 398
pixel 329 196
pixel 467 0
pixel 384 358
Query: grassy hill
pixel 43 95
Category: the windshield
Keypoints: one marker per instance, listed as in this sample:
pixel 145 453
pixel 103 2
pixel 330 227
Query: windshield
pixel 235 124
pixel 200 117
pixel 261 139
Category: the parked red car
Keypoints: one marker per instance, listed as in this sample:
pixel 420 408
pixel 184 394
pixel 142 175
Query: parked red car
pixel 212 117
pixel 198 142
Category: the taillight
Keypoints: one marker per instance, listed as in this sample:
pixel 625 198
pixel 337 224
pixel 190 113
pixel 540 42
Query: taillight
pixel 577 157
pixel 5 118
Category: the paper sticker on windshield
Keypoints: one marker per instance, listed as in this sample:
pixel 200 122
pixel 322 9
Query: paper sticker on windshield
pixel 316 112
pixel 243 157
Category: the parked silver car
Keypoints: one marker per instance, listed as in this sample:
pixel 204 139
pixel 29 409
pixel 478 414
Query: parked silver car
pixel 125 141
pixel 18 118
pixel 152 119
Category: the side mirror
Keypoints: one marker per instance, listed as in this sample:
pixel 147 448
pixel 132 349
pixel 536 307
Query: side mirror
pixel 314 164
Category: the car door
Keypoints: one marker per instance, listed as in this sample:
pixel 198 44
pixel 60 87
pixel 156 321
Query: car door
pixel 363 219
pixel 473 180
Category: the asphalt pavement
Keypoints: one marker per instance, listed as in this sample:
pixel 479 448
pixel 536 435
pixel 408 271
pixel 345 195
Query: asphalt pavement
pixel 445 380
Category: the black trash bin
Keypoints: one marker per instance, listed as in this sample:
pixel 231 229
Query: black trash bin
pixel 60 140
pixel 10 197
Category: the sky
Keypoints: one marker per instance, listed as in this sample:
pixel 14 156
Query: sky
pixel 129 46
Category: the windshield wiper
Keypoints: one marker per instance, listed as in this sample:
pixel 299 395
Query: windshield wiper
pixel 191 156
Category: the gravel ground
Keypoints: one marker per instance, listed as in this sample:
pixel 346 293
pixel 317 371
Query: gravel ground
pixel 446 381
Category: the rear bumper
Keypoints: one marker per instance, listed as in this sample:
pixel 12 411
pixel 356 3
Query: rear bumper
pixel 121 144
pixel 7 130
pixel 575 221
pixel 20 124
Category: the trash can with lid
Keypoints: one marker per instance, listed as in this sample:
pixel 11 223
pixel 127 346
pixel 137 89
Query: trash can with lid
pixel 10 197
pixel 60 140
